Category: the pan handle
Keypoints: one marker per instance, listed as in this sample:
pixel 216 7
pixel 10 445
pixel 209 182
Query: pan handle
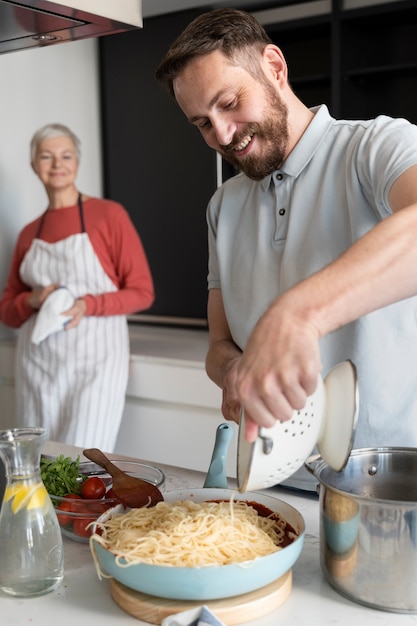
pixel 216 476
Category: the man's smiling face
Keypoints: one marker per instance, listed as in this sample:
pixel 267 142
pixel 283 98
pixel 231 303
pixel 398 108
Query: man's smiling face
pixel 240 116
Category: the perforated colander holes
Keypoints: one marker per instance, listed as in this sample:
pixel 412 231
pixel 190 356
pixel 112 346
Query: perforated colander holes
pixel 283 472
pixel 298 425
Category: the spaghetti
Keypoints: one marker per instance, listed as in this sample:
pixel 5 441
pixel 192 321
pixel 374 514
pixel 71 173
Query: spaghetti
pixel 190 534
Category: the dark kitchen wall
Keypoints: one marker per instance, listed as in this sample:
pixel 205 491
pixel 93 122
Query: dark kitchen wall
pixel 158 166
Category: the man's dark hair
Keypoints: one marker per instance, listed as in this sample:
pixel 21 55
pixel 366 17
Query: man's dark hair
pixel 235 33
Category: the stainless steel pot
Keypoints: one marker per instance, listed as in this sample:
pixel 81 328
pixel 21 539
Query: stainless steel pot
pixel 368 527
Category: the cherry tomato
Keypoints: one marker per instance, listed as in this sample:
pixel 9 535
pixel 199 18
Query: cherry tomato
pixel 93 488
pixel 112 495
pixel 97 506
pixel 79 526
pixel 68 507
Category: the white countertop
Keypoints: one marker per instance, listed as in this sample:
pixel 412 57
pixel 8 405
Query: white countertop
pixel 187 346
pixel 168 344
pixel 83 599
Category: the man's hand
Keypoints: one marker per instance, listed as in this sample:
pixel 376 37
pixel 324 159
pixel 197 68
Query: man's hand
pixel 230 401
pixel 279 367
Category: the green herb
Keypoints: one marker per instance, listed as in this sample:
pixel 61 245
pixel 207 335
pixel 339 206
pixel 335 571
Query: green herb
pixel 61 475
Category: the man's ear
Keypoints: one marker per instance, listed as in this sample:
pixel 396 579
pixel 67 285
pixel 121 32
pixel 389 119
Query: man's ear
pixel 275 64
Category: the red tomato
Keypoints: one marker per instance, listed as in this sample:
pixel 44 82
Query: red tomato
pixel 112 495
pixel 93 488
pixel 67 506
pixel 79 526
pixel 97 507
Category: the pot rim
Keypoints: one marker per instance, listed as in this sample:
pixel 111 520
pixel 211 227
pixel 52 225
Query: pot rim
pixel 315 464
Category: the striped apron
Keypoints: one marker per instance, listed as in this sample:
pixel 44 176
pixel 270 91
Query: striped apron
pixel 74 382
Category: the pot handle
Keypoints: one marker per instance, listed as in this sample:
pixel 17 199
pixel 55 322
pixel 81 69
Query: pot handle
pixel 311 462
pixel 216 476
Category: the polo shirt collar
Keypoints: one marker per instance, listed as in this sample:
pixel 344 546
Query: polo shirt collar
pixel 307 145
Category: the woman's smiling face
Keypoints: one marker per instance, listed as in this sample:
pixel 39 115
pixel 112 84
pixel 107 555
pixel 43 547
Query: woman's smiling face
pixel 56 162
pixel 240 116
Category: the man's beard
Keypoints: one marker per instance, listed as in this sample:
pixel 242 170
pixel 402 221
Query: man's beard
pixel 274 130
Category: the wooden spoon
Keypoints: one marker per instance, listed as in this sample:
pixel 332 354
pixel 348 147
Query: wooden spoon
pixel 133 492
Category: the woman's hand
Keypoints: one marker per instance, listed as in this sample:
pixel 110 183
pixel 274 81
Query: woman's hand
pixel 77 312
pixel 39 295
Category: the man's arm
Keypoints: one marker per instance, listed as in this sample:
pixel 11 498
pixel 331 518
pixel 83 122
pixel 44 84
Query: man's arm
pixel 223 355
pixel 281 362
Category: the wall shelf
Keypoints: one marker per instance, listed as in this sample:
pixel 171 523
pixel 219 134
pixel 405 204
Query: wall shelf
pixel 316 79
pixel 399 70
pixel 335 55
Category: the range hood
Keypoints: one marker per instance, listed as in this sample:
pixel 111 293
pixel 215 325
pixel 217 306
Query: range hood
pixel 37 23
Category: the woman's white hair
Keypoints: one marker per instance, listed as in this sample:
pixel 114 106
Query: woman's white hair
pixel 53 130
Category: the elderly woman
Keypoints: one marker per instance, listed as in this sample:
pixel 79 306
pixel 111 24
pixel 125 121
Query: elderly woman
pixel 73 381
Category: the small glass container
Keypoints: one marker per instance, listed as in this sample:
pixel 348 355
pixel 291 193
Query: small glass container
pixel 32 556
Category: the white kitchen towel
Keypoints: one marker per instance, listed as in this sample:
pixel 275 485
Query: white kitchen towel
pixel 49 318
pixel 201 616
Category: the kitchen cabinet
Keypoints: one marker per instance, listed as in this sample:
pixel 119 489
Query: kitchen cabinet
pixel 172 408
pixel 49 23
pixel 357 56
pixel 379 72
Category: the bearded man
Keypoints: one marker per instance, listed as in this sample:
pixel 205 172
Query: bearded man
pixel 312 247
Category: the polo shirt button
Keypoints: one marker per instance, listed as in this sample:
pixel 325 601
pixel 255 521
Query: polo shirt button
pixel 279 177
pixel 281 211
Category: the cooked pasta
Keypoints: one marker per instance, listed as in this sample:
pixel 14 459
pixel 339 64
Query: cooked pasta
pixel 191 534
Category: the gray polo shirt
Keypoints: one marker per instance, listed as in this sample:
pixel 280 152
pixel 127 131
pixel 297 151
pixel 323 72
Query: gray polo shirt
pixel 266 236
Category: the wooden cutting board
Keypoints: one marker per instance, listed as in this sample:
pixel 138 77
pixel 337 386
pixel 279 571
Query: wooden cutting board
pixel 230 611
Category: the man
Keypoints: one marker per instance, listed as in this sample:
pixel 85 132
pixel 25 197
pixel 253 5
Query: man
pixel 312 247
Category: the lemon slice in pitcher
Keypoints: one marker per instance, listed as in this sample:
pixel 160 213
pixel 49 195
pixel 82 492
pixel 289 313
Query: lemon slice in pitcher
pixel 25 496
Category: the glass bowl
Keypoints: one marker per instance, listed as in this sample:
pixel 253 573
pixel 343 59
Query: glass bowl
pixel 75 514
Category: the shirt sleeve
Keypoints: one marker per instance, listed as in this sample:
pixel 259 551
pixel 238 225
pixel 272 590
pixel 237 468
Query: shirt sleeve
pixel 387 149
pixel 14 302
pixel 122 255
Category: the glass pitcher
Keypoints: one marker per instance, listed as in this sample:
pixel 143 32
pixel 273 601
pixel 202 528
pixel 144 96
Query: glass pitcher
pixel 32 556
